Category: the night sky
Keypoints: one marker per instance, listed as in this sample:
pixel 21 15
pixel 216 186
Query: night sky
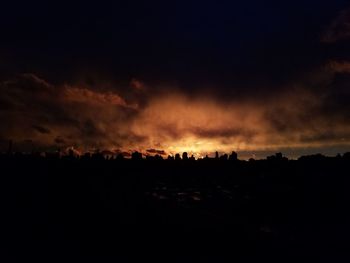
pixel 172 76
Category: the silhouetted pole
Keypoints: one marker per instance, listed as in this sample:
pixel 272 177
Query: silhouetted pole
pixel 216 155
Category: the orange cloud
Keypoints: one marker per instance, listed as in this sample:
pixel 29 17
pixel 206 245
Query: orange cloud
pixel 137 85
pixel 339 66
pixel 88 96
pixel 51 117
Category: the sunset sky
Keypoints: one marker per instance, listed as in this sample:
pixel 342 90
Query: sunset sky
pixel 163 77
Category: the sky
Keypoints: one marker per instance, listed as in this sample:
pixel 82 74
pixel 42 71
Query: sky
pixel 254 77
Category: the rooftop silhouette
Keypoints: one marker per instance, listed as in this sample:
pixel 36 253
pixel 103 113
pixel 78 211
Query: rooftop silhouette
pixel 98 201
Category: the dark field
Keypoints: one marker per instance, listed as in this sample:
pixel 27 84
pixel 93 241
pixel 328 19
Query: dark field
pixel 92 209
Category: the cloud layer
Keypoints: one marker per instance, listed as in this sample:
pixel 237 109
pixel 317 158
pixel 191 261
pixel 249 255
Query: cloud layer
pixel 40 115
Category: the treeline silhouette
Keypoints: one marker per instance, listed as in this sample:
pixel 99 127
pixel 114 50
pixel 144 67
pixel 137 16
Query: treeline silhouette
pixel 175 209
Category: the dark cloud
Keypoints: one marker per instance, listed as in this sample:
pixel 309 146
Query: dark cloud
pixel 154 151
pixel 329 136
pixel 230 47
pixel 41 129
pixel 60 140
pixel 339 29
pixel 44 112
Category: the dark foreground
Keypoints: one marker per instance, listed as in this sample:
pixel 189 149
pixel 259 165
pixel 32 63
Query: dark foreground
pixel 70 210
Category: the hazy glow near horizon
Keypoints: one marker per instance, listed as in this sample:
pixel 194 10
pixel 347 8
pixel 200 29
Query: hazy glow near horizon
pixel 90 118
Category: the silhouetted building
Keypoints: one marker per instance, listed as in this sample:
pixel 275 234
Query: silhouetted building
pixel 86 156
pixel 224 157
pixel 314 158
pixel 52 155
pixel 158 157
pixel 98 156
pixel 233 156
pixel 120 157
pixel 136 156
pixel 71 153
pixel 277 157
pixel 184 156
